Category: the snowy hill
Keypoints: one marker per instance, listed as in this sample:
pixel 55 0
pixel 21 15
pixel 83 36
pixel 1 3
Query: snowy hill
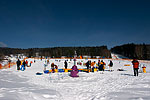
pixel 117 56
pixel 116 85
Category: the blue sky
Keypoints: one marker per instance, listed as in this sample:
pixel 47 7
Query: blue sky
pixel 53 23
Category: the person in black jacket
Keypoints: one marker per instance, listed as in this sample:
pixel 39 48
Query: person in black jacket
pixel 66 64
pixel 110 65
pixel 18 64
pixel 88 65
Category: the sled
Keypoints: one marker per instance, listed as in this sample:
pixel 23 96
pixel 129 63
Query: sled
pixel 46 71
pixel 127 65
pixel 38 73
pixel 120 70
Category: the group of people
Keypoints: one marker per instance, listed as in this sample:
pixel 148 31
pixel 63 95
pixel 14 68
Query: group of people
pixel 54 66
pixel 21 65
pixel 91 65
pixel 100 65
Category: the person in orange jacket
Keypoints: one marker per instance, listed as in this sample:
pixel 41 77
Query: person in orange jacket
pixel 0 66
pixel 93 65
pixel 26 63
pixel 135 66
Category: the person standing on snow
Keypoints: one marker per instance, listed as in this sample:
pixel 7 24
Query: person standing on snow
pixel 45 65
pixel 88 65
pixel 47 61
pixel 99 62
pixel 102 65
pixel 135 67
pixel 24 64
pixel 18 64
pixel 93 65
pixel 65 64
pixel 110 65
pixel 31 63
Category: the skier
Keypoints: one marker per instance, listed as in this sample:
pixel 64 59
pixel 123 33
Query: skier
pixel 110 65
pixel 18 64
pixel 65 64
pixel 135 67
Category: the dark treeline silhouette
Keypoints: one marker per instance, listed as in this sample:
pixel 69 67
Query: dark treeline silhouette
pixel 138 51
pixel 4 51
pixel 59 51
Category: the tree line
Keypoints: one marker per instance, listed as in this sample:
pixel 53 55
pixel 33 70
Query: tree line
pixel 137 51
pixel 58 51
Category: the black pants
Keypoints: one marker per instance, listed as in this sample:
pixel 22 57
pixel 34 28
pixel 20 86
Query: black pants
pixel 18 67
pixel 135 71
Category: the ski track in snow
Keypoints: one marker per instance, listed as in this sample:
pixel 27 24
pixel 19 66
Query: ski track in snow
pixel 26 85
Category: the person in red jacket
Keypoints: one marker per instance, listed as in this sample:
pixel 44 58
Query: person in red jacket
pixel 26 63
pixel 135 67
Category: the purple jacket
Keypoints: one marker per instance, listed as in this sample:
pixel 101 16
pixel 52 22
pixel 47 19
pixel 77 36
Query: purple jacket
pixel 74 71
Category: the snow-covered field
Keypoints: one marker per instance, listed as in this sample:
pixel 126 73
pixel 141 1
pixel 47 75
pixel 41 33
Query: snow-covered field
pixel 116 85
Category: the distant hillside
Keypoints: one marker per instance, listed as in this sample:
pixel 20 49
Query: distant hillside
pixel 139 51
pixel 59 51
pixel 117 56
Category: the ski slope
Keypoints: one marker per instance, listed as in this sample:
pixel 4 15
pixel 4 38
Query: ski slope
pixel 116 85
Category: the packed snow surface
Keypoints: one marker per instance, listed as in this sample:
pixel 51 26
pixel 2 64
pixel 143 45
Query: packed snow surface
pixel 115 85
